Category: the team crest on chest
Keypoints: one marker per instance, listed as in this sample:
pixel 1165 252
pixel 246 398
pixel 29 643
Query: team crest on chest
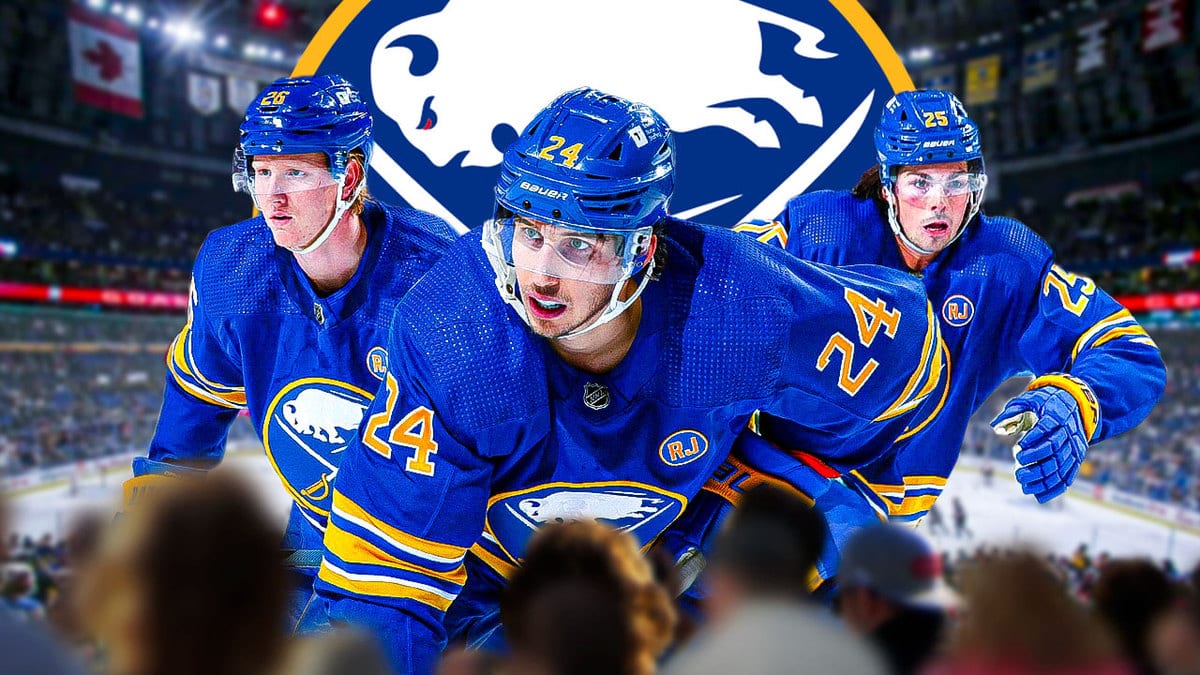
pixel 682 447
pixel 958 310
pixel 308 425
pixel 641 510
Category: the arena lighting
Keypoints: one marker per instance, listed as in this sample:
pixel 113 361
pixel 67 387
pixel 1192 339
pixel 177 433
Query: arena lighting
pixel 96 4
pixel 117 8
pixel 920 54
pixel 133 15
pixel 183 31
pixel 221 41
pixel 271 14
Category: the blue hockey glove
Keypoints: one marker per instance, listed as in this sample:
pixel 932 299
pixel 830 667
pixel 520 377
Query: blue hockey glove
pixel 1059 416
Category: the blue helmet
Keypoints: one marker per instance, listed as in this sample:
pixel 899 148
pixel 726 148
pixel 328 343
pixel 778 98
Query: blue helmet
pixel 297 115
pixel 593 161
pixel 589 162
pixel 927 126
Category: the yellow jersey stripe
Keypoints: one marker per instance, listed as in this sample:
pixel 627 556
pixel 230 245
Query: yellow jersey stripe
pixel 766 233
pixel 1120 316
pixel 930 481
pixel 436 552
pixel 501 566
pixel 1119 332
pixel 914 505
pixel 381 586
pixel 181 369
pixel 187 385
pixel 352 549
pixel 930 366
pixel 941 403
pixel 879 488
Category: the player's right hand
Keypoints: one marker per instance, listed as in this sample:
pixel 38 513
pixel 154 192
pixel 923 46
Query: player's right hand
pixel 150 477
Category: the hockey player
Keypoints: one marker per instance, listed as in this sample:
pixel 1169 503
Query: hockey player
pixel 289 310
pixel 592 357
pixel 1006 308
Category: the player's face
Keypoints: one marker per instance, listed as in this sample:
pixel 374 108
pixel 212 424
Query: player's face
pixel 296 194
pixel 930 204
pixel 559 272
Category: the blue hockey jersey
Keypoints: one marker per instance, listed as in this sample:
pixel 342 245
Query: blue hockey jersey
pixel 1006 309
pixel 305 367
pixel 482 428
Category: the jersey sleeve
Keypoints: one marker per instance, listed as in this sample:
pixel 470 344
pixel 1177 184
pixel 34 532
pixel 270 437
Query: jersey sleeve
pixel 787 231
pixel 204 388
pixel 859 373
pixel 409 501
pixel 1075 327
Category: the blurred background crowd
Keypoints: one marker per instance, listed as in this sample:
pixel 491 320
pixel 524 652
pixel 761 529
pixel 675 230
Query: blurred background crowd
pixel 1089 112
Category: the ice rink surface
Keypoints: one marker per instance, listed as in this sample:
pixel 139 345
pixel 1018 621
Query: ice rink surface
pixel 997 514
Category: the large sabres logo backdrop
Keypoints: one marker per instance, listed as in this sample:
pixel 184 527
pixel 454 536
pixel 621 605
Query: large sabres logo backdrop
pixel 769 98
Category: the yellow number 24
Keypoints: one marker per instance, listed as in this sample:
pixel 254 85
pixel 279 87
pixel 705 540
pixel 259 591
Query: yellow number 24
pixel 415 431
pixel 869 317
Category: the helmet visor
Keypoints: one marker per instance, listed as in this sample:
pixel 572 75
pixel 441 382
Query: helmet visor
pixel 563 252
pixel 916 186
pixel 267 184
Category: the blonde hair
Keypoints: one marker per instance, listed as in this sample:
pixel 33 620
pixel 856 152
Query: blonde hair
pixel 357 207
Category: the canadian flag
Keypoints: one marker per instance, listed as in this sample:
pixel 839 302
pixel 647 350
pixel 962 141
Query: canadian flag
pixel 106 62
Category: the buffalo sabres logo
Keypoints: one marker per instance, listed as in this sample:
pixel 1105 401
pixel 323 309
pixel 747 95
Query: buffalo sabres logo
pixel 958 310
pixel 641 510
pixel 308 425
pixel 377 362
pixel 787 101
pixel 595 396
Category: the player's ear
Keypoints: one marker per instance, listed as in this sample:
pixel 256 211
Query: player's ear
pixel 354 176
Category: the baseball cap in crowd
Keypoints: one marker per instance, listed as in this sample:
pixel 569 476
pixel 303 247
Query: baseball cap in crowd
pixel 897 563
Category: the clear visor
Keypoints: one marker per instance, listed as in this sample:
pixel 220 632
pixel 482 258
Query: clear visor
pixel 563 252
pixel 268 184
pixel 917 186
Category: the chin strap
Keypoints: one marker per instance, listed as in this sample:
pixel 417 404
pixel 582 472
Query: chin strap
pixel 615 304
pixel 338 212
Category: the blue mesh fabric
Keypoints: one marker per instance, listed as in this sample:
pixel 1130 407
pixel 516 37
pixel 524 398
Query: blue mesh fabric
pixel 479 352
pixel 726 331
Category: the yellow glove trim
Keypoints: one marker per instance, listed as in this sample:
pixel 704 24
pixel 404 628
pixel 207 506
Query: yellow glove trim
pixel 1085 398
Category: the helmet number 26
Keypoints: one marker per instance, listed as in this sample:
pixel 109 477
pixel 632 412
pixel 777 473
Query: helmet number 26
pixel 936 118
pixel 569 154
pixel 274 98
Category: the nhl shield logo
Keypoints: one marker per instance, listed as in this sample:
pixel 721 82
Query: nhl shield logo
pixel 596 396
pixel 787 104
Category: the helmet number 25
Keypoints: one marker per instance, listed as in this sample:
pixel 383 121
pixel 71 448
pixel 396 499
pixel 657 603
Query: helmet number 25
pixel 936 118
pixel 869 317
pixel 569 154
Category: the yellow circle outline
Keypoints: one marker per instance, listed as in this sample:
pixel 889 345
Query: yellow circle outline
pixel 300 501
